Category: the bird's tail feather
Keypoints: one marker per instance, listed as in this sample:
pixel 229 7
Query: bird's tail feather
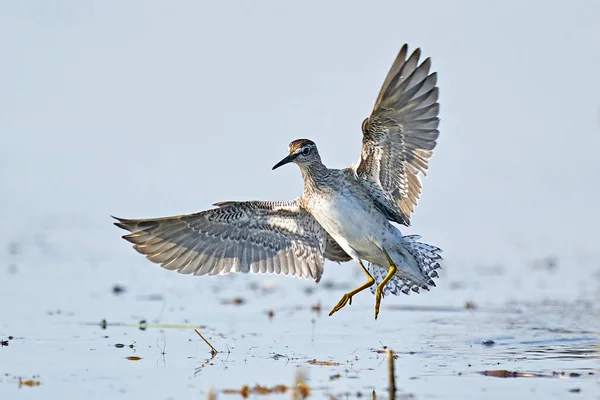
pixel 428 259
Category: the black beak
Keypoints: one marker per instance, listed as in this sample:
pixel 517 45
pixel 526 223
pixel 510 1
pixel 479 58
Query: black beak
pixel 286 160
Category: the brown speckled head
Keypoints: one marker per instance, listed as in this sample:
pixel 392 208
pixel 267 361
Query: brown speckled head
pixel 299 143
pixel 302 152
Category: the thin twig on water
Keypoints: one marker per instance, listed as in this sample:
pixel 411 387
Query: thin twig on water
pixel 213 351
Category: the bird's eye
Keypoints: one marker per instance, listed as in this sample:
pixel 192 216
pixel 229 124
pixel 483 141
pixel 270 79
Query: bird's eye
pixel 306 151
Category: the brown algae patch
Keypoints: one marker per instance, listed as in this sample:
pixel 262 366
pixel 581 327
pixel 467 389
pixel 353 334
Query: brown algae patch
pixel 29 382
pixel 298 391
pixel 318 362
pixel 503 373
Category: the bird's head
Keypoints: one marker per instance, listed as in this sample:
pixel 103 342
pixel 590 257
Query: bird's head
pixel 302 152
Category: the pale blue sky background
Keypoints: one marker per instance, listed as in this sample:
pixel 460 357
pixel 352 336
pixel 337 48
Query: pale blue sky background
pixel 148 108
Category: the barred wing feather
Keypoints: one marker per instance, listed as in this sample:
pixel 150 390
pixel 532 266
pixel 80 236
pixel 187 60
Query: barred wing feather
pixel 260 237
pixel 400 135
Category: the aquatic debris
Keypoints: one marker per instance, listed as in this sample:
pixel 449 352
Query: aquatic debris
pixel 334 377
pixel 389 354
pixel 316 307
pixel 470 305
pixel 133 358
pixel 300 391
pixel 246 390
pixel 213 351
pixel 143 325
pixel 503 373
pixel 236 301
pixel 121 345
pixel 118 289
pixel 571 375
pixel 28 382
pixel 210 394
pixel 4 342
pixel 314 361
pixel 488 343
pixel 270 314
pixel 197 370
pixel 395 353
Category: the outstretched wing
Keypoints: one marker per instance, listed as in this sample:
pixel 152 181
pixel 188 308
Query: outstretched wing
pixel 400 135
pixel 261 237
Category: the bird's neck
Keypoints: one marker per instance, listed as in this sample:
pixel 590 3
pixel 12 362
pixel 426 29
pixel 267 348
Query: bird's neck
pixel 314 175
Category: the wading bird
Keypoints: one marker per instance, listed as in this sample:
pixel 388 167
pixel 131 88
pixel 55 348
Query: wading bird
pixel 342 214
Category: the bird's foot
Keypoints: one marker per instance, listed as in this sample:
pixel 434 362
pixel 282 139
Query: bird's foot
pixel 379 291
pixel 378 297
pixel 346 299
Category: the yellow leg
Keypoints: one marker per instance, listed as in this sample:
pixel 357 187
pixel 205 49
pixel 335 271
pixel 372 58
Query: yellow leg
pixel 347 298
pixel 378 291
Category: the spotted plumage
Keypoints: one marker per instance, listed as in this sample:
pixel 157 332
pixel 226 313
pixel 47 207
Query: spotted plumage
pixel 342 214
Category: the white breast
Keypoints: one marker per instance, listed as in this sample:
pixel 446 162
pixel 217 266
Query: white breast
pixel 359 231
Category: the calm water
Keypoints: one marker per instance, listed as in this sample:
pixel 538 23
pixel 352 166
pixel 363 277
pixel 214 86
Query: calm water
pixel 57 287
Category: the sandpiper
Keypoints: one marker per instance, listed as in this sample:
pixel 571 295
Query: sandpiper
pixel 342 214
